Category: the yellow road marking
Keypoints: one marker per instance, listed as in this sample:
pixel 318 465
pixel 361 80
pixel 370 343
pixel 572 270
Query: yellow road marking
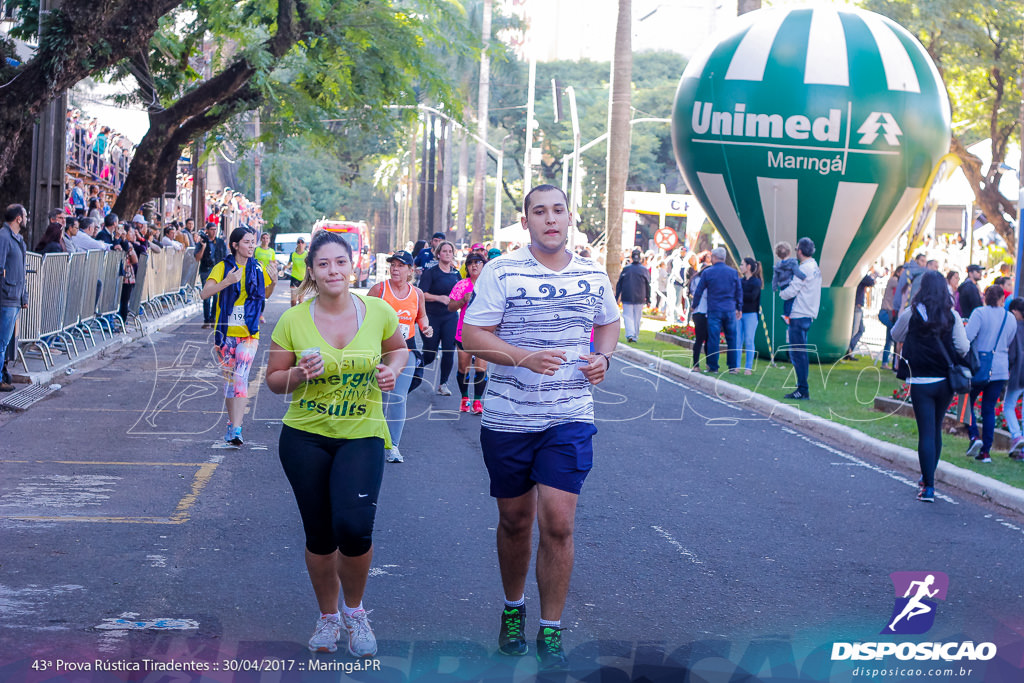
pixel 201 479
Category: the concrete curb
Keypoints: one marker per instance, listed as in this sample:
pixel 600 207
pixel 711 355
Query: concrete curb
pixel 117 341
pixel 955 477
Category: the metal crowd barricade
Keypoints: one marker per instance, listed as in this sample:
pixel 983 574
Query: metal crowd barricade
pixel 73 302
pixel 70 294
pixel 153 284
pixel 30 324
pixel 113 282
pixel 92 289
pixel 54 278
pixel 170 294
pixel 189 273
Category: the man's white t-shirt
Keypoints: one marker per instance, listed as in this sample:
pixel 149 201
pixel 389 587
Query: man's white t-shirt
pixel 538 308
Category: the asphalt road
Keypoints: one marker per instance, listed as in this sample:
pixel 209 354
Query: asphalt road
pixel 712 544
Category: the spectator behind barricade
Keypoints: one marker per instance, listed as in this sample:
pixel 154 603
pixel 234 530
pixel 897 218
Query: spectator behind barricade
pixel 189 232
pixel 912 271
pixel 13 293
pixel 721 283
pixel 887 313
pixel 866 283
pixel 168 240
pixel 991 329
pixel 660 278
pixel 153 238
pixel 179 236
pixel 56 216
pixel 969 295
pixel 1015 384
pixel 52 241
pixel 127 239
pixel 1007 284
pixel 676 309
pixel 783 272
pixel 79 236
pixel 106 233
pixel 952 283
pixel 95 212
pixel 78 197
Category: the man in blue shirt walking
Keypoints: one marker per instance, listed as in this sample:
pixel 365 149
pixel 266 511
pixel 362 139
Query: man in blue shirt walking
pixel 721 284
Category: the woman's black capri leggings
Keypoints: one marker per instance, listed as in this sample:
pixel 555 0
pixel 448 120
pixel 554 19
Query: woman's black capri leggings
pixel 336 483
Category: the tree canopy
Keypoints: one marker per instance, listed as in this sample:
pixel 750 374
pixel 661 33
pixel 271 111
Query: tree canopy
pixel 977 47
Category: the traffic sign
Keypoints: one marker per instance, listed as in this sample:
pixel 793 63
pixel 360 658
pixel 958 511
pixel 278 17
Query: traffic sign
pixel 666 238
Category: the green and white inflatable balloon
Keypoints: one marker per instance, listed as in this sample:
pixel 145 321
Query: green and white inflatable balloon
pixel 816 122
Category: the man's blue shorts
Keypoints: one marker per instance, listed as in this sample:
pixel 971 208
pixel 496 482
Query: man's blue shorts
pixel 560 457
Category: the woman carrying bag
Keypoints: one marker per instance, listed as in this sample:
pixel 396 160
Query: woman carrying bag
pixel 990 331
pixel 933 336
pixel 1015 385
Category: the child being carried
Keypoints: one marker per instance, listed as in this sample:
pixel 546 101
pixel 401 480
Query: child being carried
pixel 783 272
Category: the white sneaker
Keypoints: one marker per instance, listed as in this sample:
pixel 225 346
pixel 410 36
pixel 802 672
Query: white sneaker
pixel 393 455
pixel 326 636
pixel 443 390
pixel 361 641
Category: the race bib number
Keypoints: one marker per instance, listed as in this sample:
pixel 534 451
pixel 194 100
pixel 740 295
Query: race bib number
pixel 237 318
pixel 404 329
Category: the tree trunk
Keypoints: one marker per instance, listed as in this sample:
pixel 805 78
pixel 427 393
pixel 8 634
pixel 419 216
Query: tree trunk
pixel 79 39
pixel 194 113
pixel 483 101
pixel 618 138
pixel 169 132
pixel 987 196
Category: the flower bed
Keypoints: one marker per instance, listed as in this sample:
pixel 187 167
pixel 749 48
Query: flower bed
pixel 653 313
pixel 684 331
pixel 902 393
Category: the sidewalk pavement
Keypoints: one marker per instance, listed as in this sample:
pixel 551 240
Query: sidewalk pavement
pixel 948 474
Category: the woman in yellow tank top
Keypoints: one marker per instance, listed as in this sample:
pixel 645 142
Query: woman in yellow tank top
pixel 407 300
pixel 335 354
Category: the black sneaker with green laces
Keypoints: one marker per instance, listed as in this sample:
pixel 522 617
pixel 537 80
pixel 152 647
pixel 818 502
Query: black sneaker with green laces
pixel 510 638
pixel 550 655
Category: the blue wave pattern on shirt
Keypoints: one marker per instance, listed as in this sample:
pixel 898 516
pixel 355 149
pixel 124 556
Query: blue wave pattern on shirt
pixel 543 310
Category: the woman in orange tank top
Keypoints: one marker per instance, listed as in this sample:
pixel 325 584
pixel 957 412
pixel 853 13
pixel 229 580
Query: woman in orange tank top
pixel 407 300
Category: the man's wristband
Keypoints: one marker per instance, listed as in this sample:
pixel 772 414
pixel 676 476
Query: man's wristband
pixel 607 358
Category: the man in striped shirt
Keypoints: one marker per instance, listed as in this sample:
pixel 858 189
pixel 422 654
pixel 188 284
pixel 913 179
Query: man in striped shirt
pixel 532 319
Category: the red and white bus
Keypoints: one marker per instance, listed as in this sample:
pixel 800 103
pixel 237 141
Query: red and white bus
pixel 357 234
